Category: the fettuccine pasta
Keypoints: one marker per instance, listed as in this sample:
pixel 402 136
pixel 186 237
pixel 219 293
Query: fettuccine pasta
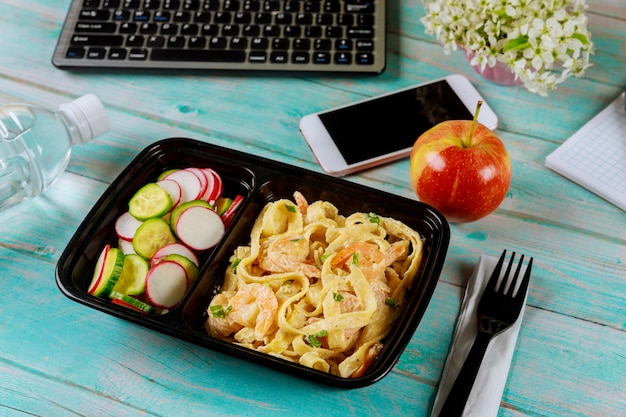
pixel 315 287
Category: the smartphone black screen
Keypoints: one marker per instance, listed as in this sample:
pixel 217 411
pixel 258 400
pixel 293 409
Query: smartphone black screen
pixel 393 122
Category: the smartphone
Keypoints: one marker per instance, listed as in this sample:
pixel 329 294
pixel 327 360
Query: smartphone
pixel 382 129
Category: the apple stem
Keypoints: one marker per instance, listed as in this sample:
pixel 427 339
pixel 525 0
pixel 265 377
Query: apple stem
pixel 474 121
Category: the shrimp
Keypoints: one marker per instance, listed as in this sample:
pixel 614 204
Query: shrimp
pixel 287 253
pixel 221 324
pixel 255 305
pixel 301 202
pixel 371 260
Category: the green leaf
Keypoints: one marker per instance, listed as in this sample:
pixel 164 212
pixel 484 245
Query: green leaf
pixel 519 43
pixel 218 311
pixel 580 37
pixel 337 297
pixel 290 208
pixel 391 302
pixel 234 264
pixel 374 218
pixel 313 339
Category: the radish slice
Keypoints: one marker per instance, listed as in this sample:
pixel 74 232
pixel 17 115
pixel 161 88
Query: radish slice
pixel 189 184
pixel 227 217
pixel 126 226
pixel 166 284
pixel 202 177
pixel 125 246
pixel 174 249
pixel 215 185
pixel 173 189
pixel 199 227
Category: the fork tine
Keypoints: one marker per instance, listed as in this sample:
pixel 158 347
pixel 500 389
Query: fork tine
pixel 495 275
pixel 506 280
pixel 523 287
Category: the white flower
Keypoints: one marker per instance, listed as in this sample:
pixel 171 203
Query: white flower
pixel 543 42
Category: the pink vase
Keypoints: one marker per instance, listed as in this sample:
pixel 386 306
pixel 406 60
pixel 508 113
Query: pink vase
pixel 498 74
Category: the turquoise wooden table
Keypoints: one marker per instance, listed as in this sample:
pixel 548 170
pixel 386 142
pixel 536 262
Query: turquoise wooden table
pixel 60 358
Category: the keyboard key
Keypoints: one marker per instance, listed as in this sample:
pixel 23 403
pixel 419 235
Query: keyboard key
pixel 117 54
pixel 155 41
pixel 280 43
pixel 96 53
pixel 321 58
pixel 128 28
pixel 94 15
pixel 97 40
pixel 322 45
pixel 343 44
pixel 176 41
pixel 259 43
pixel 169 29
pixel 343 58
pixel 197 42
pixel 366 6
pixel 162 17
pixel 365 59
pixel 301 44
pixel 257 57
pixel 218 42
pixel 364 45
pixel 194 55
pixel 189 29
pixel 138 54
pixel 300 57
pixel 135 40
pixel 279 57
pixel 360 32
pixel 75 52
pixel 85 27
pixel 238 43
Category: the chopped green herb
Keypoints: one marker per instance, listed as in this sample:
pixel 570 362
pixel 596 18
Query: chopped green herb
pixel 290 208
pixel 218 311
pixel 337 297
pixel 324 257
pixel 313 339
pixel 234 264
pixel 391 302
pixel 374 218
pixel 296 239
pixel 355 258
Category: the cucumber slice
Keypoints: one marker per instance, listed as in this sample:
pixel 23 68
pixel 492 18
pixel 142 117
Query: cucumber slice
pixel 190 267
pixel 132 280
pixel 107 271
pixel 227 216
pixel 222 204
pixel 151 236
pixel 150 201
pixel 131 302
pixel 165 173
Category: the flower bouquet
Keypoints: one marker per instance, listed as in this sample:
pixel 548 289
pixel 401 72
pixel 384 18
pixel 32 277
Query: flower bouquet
pixel 543 42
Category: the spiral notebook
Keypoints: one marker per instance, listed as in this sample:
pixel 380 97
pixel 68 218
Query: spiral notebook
pixel 595 156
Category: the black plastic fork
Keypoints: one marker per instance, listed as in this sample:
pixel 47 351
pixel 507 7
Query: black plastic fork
pixel 499 307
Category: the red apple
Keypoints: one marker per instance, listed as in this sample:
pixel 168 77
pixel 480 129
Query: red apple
pixel 461 168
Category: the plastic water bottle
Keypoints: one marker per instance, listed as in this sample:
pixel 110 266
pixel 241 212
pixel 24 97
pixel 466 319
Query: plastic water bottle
pixel 36 144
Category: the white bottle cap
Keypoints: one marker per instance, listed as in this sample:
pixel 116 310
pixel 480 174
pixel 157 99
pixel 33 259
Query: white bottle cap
pixel 88 116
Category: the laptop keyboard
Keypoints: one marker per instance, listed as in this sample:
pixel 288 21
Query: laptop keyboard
pixel 270 35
